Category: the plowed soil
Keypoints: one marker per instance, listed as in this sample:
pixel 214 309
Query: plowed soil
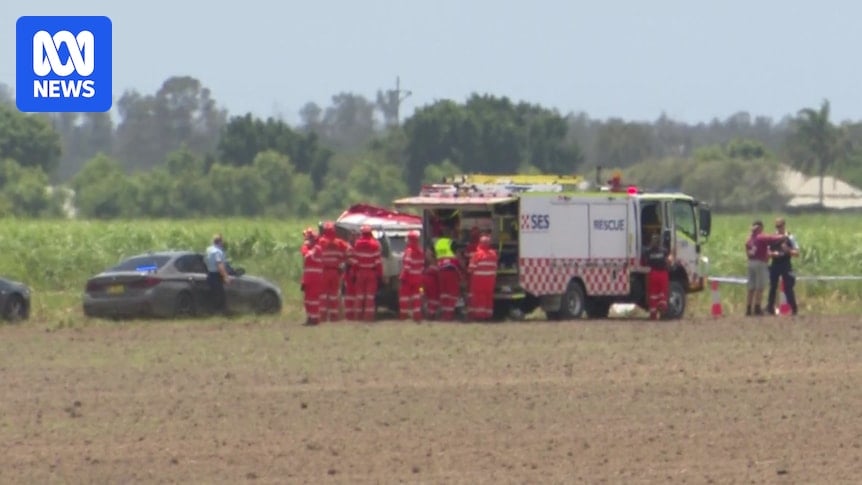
pixel 754 400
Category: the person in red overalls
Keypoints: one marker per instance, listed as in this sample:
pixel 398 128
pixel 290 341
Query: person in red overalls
pixel 335 253
pixel 659 260
pixel 310 240
pixel 312 277
pixel 450 275
pixel 410 281
pixel 367 265
pixel 483 277
pixel 431 286
pixel 473 245
pixel 350 286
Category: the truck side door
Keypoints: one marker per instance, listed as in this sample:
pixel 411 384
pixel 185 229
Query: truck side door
pixel 684 236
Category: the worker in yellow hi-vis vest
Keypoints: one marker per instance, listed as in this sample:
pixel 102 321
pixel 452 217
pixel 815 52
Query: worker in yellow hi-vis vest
pixel 449 275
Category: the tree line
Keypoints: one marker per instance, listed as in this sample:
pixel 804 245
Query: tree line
pixel 177 153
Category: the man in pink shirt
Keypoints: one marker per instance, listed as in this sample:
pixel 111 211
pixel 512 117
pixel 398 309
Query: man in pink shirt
pixel 757 250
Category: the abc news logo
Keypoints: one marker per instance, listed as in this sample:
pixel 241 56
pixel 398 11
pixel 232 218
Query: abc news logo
pixel 46 59
pixel 64 64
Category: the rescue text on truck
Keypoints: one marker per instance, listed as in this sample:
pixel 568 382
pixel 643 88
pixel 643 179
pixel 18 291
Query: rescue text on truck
pixel 568 248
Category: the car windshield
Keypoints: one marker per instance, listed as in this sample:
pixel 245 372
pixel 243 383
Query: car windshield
pixel 142 263
pixel 397 244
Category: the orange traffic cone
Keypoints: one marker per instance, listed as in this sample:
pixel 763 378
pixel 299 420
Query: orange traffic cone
pixel 783 306
pixel 716 300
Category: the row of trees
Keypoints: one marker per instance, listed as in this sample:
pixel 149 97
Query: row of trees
pixel 176 153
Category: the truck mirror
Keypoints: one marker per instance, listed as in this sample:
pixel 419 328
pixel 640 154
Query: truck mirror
pixel 705 217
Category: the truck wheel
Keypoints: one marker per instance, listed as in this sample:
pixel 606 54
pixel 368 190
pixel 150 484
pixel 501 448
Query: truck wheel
pixel 596 308
pixel 572 302
pixel 676 300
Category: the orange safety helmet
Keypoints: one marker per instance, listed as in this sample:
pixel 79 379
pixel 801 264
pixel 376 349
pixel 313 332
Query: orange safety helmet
pixel 308 233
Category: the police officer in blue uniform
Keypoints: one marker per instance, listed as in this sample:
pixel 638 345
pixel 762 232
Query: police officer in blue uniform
pixel 217 275
pixel 781 267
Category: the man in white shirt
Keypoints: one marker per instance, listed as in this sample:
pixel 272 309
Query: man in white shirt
pixel 217 275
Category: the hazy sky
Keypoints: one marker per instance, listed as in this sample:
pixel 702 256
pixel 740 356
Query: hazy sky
pixel 692 59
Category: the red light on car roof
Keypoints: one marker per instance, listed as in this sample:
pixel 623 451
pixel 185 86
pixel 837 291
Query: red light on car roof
pixel 632 190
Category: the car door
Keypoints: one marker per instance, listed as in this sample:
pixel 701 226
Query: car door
pixel 240 292
pixel 194 272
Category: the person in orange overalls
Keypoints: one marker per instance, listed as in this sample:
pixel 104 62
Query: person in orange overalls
pixel 431 286
pixel 410 280
pixel 473 245
pixel 450 275
pixel 659 260
pixel 312 278
pixel 335 253
pixel 367 264
pixel 483 277
pixel 350 286
pixel 310 240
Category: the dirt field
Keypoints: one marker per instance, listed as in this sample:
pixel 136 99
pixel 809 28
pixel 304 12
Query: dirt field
pixel 699 401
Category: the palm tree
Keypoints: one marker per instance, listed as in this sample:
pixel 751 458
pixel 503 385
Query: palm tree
pixel 819 142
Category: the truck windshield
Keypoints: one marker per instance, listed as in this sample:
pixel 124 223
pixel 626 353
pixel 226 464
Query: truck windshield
pixel 683 216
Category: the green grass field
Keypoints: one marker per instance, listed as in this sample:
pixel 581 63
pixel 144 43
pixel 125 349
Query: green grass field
pixel 830 245
pixel 56 257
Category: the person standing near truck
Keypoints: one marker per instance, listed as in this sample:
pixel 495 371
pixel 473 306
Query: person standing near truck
pixel 312 281
pixel 367 265
pixel 431 285
pixel 334 254
pixel 309 240
pixel 350 297
pixel 450 275
pixel 757 250
pixel 410 280
pixel 483 277
pixel 782 267
pixel 472 245
pixel 659 260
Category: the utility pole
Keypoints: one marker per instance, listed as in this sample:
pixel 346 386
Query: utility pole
pixel 399 97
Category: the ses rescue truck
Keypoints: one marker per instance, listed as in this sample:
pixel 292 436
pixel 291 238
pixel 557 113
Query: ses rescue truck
pixel 568 249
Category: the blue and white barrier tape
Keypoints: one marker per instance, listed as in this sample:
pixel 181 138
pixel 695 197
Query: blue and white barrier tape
pixel 741 280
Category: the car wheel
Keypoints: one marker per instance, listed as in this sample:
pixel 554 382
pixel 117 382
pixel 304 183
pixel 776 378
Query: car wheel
pixel 184 305
pixel 16 309
pixel 268 302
